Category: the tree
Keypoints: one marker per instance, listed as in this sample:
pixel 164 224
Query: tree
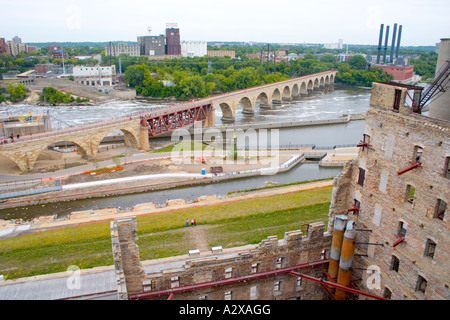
pixel 245 78
pixel 16 93
pixel 53 96
pixel 357 62
pixel 136 74
pixel 328 58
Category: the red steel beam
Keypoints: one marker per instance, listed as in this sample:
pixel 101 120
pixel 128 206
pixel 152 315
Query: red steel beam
pixel 165 122
pixel 415 165
pixel 203 285
pixel 333 284
pixel 398 241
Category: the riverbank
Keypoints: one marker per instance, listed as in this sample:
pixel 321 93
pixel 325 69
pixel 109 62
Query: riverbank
pixel 10 229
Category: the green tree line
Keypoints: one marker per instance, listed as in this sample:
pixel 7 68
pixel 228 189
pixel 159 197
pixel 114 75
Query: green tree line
pixel 188 78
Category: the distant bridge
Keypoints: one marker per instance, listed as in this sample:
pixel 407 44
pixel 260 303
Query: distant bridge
pixel 138 127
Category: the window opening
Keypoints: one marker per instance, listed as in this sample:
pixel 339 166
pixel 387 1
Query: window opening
pixel 441 207
pixel 421 284
pixel 395 263
pixel 361 176
pixel 398 95
pixel 430 248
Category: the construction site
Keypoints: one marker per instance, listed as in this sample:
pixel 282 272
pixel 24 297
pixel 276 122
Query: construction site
pixel 388 230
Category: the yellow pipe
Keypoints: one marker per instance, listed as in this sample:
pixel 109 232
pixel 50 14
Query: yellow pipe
pixel 336 243
pixel 345 262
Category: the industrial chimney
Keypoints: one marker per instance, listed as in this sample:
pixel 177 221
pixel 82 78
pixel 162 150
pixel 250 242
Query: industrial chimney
pixel 385 44
pixel 394 34
pixel 380 42
pixel 398 42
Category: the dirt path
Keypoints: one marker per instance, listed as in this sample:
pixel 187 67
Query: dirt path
pixel 199 237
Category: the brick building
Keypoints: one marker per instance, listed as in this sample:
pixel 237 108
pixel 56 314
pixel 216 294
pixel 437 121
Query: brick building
pixel 399 73
pixel 3 46
pixel 173 44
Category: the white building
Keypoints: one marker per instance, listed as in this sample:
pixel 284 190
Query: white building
pixel 194 48
pixel 338 45
pixel 99 76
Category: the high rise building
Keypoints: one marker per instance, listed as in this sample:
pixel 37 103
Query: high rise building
pixel 152 45
pixel 16 40
pixel 173 44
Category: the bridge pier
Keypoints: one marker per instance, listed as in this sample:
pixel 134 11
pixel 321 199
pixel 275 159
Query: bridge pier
pixel 144 143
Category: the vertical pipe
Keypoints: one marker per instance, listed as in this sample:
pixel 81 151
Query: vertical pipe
pixel 345 263
pixel 336 244
pixel 385 44
pixel 380 43
pixel 398 41
pixel 394 34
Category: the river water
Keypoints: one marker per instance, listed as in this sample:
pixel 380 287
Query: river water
pixel 317 105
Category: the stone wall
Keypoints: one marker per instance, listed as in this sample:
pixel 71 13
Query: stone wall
pixel 216 274
pixel 387 202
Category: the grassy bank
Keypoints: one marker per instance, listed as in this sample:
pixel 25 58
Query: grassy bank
pixel 163 234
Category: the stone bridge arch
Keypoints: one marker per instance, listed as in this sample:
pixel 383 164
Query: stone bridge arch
pixel 286 93
pixel 276 96
pixel 247 105
pixel 295 90
pixel 303 88
pixel 227 111
pixel 310 86
pixel 264 99
pixel 321 82
pixel 316 84
pixel 131 140
pixel 32 156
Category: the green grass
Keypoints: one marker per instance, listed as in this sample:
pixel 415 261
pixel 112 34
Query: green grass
pixel 163 234
pixel 183 146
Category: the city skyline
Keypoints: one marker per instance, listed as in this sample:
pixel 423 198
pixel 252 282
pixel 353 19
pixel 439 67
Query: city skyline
pixel 286 21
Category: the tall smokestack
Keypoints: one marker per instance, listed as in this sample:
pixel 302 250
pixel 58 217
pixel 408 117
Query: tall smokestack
pixel 394 34
pixel 385 44
pixel 380 42
pixel 398 41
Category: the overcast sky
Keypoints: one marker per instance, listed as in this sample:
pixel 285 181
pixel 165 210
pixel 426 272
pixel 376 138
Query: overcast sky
pixel 424 22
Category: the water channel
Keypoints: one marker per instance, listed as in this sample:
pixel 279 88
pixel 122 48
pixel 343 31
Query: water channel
pixel 318 105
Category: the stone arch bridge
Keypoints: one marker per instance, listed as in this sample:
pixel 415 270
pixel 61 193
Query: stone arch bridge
pixel 273 93
pixel 138 127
